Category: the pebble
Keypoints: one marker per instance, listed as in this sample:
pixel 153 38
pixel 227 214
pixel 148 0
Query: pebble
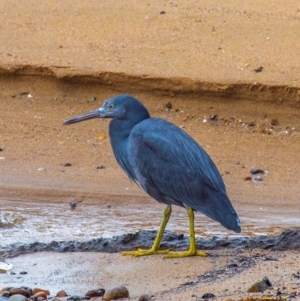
pixel 116 292
pixel 257 179
pixel 208 296
pixel 17 297
pixel 36 290
pixel 95 293
pixel 255 171
pixel 260 286
pixel 144 297
pixel 61 293
pixel 19 291
pixel 41 295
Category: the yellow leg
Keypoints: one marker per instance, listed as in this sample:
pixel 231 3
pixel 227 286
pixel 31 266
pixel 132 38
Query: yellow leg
pixel 156 244
pixel 192 251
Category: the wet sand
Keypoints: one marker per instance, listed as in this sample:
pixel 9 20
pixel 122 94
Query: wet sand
pixel 54 67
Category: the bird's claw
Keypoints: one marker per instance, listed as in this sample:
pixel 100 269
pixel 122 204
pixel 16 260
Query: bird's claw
pixel 142 252
pixel 185 254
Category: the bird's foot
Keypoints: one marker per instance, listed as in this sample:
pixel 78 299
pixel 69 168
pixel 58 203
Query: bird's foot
pixel 142 252
pixel 188 253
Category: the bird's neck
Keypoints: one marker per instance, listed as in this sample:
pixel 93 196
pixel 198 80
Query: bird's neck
pixel 119 132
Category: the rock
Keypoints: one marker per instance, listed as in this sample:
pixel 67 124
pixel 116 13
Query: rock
pixel 144 297
pixel 260 286
pixel 41 295
pixel 95 293
pixel 3 298
pixel 208 296
pixel 116 292
pixel 23 273
pixel 5 294
pixel 17 297
pixel 19 291
pixel 36 290
pixel 61 293
pixel 255 171
pixel 257 179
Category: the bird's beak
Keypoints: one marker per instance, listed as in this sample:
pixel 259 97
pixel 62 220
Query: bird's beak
pixel 93 114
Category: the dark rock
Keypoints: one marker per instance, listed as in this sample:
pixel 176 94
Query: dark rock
pixel 259 69
pixel 169 105
pixel 255 171
pixel 23 273
pixel 208 296
pixel 213 117
pixel 288 240
pixel 100 167
pixel 67 164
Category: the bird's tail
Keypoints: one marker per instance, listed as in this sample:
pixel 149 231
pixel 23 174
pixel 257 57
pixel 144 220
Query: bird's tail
pixel 221 210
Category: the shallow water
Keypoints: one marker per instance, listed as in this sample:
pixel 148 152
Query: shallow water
pixel 31 222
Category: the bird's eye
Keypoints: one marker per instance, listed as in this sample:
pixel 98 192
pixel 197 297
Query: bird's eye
pixel 111 107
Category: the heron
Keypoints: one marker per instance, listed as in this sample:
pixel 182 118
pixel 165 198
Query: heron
pixel 168 164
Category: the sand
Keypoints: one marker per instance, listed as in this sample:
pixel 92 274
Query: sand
pixel 201 57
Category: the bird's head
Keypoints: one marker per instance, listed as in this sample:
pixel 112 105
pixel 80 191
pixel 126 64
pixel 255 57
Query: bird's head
pixel 122 107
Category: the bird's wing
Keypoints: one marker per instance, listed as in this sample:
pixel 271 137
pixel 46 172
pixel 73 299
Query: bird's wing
pixel 170 160
pixel 174 169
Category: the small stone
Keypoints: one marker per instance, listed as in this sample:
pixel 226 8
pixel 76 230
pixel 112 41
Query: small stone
pixel 259 69
pixel 61 293
pixel 41 295
pixel 95 293
pixel 101 167
pixel 116 292
pixel 144 297
pixel 17 297
pixel 260 286
pixel 1 149
pixel 19 291
pixel 257 179
pixel 255 171
pixel 208 296
pixel 23 273
pixel 73 205
pixel 67 164
pixel 213 117
pixel 274 122
pixel 36 290
pixel 169 105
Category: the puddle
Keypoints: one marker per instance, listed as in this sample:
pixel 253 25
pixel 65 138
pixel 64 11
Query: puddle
pixel 33 222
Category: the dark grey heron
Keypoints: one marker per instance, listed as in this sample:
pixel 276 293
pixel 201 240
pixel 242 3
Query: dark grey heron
pixel 168 164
